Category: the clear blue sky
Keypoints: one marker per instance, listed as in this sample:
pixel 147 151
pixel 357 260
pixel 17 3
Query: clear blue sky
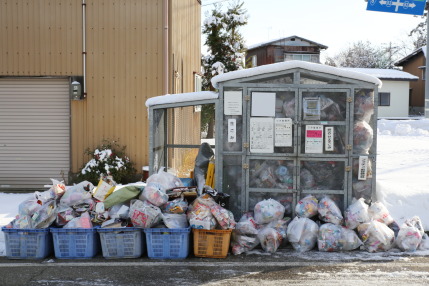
pixel 334 23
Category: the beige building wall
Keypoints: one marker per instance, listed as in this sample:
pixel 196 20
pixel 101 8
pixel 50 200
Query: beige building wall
pixel 124 45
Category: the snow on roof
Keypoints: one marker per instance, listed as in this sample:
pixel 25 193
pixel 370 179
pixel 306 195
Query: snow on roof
pixel 284 39
pixel 385 73
pixel 291 65
pixel 181 97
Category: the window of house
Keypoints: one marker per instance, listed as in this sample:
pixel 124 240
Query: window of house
pixel 302 57
pixel 384 99
pixel 254 61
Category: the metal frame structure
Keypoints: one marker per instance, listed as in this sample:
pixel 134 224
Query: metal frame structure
pixel 237 160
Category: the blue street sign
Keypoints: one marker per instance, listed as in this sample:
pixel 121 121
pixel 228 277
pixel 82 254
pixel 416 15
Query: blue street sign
pixel 412 7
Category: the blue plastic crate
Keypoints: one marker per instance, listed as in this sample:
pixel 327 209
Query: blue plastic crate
pixel 167 243
pixel 75 242
pixel 27 243
pixel 122 242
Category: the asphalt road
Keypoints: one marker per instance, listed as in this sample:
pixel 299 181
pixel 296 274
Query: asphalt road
pixel 313 268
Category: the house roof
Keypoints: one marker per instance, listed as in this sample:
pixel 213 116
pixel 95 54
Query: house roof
pixel 282 66
pixel 414 53
pixel 386 74
pixel 283 40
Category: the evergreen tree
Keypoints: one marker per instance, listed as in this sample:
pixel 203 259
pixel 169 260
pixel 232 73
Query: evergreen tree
pixel 225 47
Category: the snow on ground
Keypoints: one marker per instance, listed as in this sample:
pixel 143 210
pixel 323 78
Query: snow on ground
pixel 402 181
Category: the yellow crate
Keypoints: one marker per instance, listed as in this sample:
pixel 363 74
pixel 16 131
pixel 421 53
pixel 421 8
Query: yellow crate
pixel 211 243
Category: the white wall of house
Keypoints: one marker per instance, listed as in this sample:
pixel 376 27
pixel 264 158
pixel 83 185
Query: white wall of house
pixel 399 99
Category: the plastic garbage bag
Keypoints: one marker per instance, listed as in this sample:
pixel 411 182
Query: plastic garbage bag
pixel 378 211
pixel 199 214
pixel 363 137
pixel 119 211
pixel 329 211
pixel 224 217
pixel 144 214
pixel 409 238
pixel 202 161
pixel 247 225
pixel 103 190
pixel 270 239
pixel 29 206
pixel 175 220
pixel 376 236
pixel 334 237
pixel 242 243
pixel 281 227
pixel 424 244
pixel 302 234
pixel 176 206
pixel 307 179
pixel 122 195
pixel 356 213
pixel 64 215
pixel 268 210
pixel 77 194
pixel 154 193
pixel 166 180
pixel 84 221
pixel 364 105
pixel 307 207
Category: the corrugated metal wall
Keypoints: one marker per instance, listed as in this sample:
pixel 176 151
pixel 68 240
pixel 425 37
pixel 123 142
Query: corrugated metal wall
pixel 34 132
pixel 124 60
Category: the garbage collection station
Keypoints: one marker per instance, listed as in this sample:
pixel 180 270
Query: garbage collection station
pixel 283 131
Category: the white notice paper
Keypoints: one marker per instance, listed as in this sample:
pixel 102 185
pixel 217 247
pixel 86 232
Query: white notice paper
pixel 233 102
pixel 232 130
pixel 363 167
pixel 314 139
pixel 329 138
pixel 261 135
pixel 283 132
pixel 264 104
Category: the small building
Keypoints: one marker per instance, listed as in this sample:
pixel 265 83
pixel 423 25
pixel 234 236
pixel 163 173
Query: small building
pixel 284 49
pixel 415 64
pixel 117 54
pixel 395 94
pixel 283 131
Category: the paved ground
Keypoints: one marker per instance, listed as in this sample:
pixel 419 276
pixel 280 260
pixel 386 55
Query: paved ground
pixel 284 267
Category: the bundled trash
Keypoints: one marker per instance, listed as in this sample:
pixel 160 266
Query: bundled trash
pixel 376 236
pixel 302 234
pixel 329 211
pixel 356 213
pixel 307 207
pixel 410 235
pixel 362 137
pixel 269 210
pixel 334 237
pixel 244 237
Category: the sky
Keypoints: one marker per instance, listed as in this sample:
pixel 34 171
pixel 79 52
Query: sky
pixel 402 171
pixel 333 23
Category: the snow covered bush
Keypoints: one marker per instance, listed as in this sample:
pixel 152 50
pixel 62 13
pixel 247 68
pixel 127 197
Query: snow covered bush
pixel 107 160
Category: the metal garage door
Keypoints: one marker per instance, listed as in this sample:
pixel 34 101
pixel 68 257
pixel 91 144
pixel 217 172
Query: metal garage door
pixel 34 132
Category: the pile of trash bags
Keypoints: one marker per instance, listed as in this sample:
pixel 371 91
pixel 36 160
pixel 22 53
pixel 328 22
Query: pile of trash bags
pixel 321 223
pixel 159 203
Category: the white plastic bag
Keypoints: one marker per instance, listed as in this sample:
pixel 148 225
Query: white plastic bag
pixel 270 239
pixel 302 234
pixel 378 211
pixel 376 236
pixel 224 217
pixel 77 194
pixel 243 243
pixel 175 220
pixel 268 210
pixel 144 214
pixel 356 213
pixel 307 207
pixel 329 211
pixel 84 221
pixel 155 193
pixel 409 238
pixel 166 180
pixel 334 237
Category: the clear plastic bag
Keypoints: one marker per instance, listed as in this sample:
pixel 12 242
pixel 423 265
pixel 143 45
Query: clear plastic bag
pixel 270 239
pixel 243 243
pixel 176 206
pixel 376 236
pixel 334 237
pixel 307 207
pixel 356 213
pixel 302 234
pixel 247 225
pixel 329 211
pixel 144 214
pixel 166 180
pixel 77 194
pixel 409 238
pixel 84 221
pixel 378 211
pixel 224 217
pixel 200 216
pixel 268 210
pixel 175 220
pixel 363 137
pixel 154 193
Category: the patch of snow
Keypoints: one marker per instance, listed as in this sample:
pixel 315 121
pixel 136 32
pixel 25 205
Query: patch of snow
pixel 181 97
